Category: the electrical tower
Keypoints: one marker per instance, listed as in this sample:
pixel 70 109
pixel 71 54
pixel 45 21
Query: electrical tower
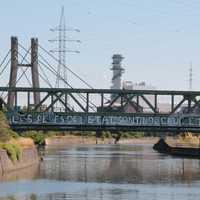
pixel 61 40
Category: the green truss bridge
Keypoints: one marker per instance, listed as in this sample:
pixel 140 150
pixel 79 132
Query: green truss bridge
pixel 92 110
pixel 36 107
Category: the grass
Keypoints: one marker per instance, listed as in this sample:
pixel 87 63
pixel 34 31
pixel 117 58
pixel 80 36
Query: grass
pixel 13 150
pixel 5 131
pixel 6 135
pixel 39 136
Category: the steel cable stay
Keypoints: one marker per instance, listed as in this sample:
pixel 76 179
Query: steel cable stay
pixel 4 59
pixel 55 73
pixel 50 85
pixel 4 67
pixel 67 68
pixel 75 74
pixel 24 59
pixel 50 68
pixel 45 79
pixel 18 78
pixel 48 82
pixel 24 71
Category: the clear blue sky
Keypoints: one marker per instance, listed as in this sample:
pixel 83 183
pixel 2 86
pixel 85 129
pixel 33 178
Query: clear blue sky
pixel 157 38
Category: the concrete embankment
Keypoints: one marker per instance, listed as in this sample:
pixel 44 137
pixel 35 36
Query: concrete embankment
pixel 28 157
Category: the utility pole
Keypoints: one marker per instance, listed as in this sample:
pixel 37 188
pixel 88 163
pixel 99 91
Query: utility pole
pixel 61 40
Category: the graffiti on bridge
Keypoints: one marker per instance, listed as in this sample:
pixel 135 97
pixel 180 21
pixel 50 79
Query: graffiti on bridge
pixel 104 120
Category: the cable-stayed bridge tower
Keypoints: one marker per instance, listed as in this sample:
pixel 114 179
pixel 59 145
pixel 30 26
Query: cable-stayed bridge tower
pixel 15 64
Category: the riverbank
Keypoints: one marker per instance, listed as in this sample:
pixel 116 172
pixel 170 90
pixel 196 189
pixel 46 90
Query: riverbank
pixel 15 152
pixel 28 157
pixel 88 140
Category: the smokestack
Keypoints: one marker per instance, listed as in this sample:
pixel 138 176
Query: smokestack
pixel 117 72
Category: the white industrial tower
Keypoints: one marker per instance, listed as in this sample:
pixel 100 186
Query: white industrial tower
pixel 117 72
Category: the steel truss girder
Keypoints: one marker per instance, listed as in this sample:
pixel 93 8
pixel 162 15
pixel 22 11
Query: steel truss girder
pixel 127 97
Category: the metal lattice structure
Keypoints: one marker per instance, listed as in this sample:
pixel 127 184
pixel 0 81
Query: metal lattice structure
pixel 62 50
pixel 89 115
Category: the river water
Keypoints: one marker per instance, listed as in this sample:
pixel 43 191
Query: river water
pixel 105 172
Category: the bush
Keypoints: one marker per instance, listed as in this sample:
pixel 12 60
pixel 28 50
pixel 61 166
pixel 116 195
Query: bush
pixel 37 136
pixel 126 135
pixel 5 131
pixel 13 151
pixel 106 134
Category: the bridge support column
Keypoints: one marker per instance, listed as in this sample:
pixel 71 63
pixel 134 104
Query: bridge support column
pixel 34 69
pixel 14 69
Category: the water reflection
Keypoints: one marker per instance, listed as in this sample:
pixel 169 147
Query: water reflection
pixel 118 164
pixel 104 172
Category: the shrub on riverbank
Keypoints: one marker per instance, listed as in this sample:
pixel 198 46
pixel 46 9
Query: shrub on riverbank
pixel 13 150
pixel 6 133
pixel 39 136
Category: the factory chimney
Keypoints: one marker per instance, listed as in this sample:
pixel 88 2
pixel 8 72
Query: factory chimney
pixel 117 72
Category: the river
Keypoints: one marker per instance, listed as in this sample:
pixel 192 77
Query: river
pixel 105 172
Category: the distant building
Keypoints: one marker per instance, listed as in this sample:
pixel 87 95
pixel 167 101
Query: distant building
pixel 128 85
pixel 143 86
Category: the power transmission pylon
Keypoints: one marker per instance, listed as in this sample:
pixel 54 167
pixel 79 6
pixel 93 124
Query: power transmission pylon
pixel 62 50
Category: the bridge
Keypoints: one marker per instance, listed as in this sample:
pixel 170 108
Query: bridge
pixel 101 115
pixel 89 109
